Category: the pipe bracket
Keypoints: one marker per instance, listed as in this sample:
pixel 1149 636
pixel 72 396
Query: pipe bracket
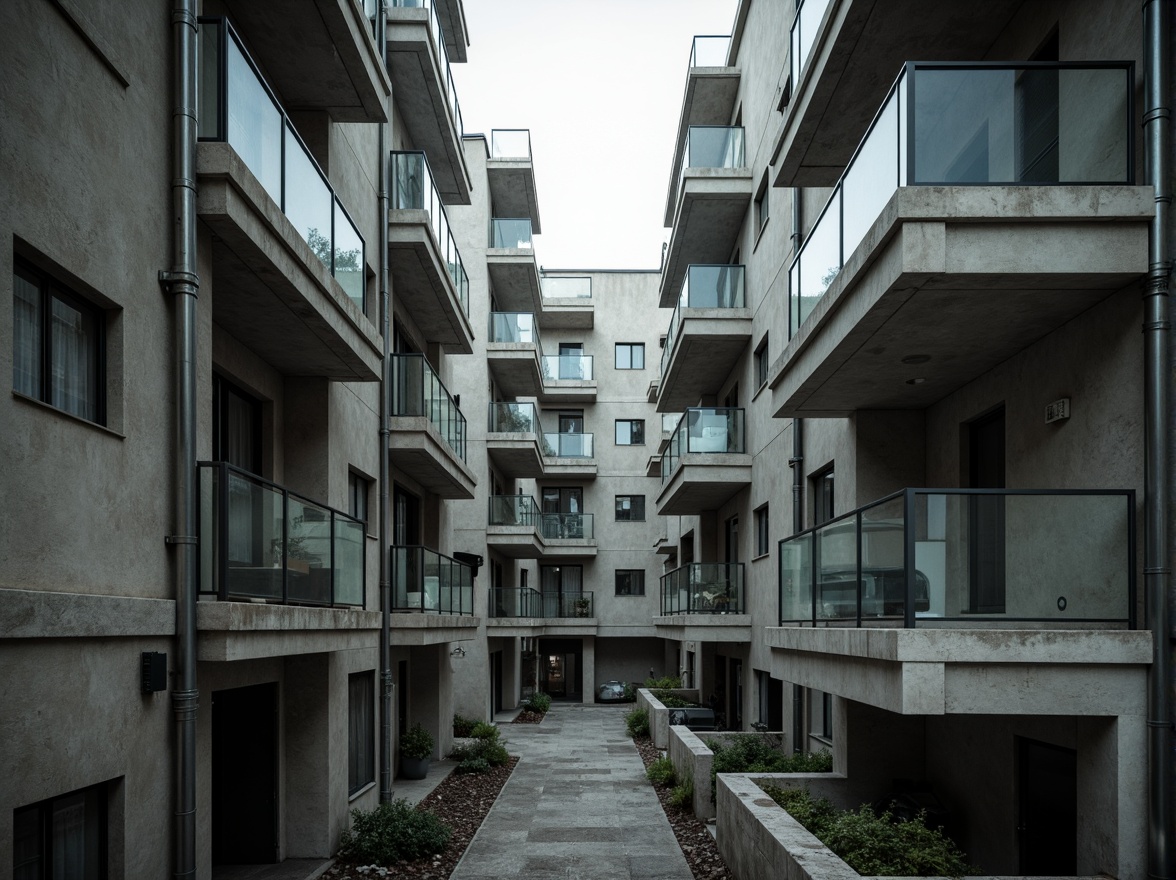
pixel 181 539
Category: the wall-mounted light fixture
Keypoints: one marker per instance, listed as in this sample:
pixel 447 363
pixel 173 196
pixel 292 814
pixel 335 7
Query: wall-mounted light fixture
pixel 459 651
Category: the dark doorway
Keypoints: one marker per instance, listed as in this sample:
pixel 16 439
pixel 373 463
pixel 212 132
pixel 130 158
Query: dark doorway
pixel 401 698
pixel 236 426
pixel 735 694
pixel 495 683
pixel 986 531
pixel 1048 802
pixel 406 518
pixel 561 668
pixel 245 775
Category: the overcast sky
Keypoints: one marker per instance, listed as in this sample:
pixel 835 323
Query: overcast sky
pixel 599 83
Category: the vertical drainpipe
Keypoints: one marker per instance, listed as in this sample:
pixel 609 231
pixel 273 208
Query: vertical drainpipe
pixel 385 432
pixel 183 284
pixel 797 465
pixel 1157 571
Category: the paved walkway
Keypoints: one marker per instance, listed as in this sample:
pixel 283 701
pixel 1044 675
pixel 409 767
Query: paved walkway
pixel 576 806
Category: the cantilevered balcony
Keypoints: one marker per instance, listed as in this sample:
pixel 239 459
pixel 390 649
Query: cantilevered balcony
pixel 428 430
pixel 977 558
pixel 511 176
pixel 514 354
pixel 703 588
pixel 705 463
pixel 843 53
pixel 428 275
pixel 707 203
pixel 451 14
pixel 988 205
pixel 515 440
pixel 427 582
pixel 510 260
pixel 709 331
pixel 569 455
pixel 513 526
pixel 288 264
pixel 425 95
pixel 568 379
pixel 337 67
pixel 567 302
pixel 260 542
pixel 508 602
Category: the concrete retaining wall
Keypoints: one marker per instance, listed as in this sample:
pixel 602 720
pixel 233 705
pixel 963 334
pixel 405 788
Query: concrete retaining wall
pixel 659 720
pixel 693 760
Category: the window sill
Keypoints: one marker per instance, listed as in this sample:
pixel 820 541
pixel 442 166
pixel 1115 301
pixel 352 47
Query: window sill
pixel 821 738
pixel 60 412
pixel 759 235
pixel 359 792
pixel 761 556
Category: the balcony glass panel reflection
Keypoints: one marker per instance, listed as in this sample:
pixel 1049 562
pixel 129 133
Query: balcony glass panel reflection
pixel 514 418
pixel 511 233
pixel 567 445
pixel 417 391
pixel 510 143
pixel 567 287
pixel 567 366
pixel 513 327
pixel 703 588
pixel 704 430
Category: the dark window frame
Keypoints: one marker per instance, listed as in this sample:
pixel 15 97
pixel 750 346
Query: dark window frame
pixel 631 348
pixel 634 579
pixel 43 861
pixel 762 363
pixel 361 738
pixel 763 543
pixel 633 503
pixel 632 423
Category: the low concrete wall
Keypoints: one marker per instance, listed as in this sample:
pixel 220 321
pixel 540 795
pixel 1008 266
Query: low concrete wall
pixel 659 721
pixel 693 760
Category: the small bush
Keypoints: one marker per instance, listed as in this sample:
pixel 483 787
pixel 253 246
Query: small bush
pixel 486 747
pixel 482 730
pixel 668 682
pixel 637 722
pixel 672 701
pixel 630 693
pixel 462 726
pixel 682 796
pixel 757 753
pixel 875 845
pixel 538 702
pixel 416 742
pixel 661 772
pixel 392 833
pixel 473 765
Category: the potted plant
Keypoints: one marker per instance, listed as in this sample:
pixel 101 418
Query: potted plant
pixel 581 606
pixel 416 748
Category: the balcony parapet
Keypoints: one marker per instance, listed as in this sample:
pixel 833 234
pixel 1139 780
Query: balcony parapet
pixel 428 582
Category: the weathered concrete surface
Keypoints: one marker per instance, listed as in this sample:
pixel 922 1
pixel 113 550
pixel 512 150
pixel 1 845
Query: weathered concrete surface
pixel 578 805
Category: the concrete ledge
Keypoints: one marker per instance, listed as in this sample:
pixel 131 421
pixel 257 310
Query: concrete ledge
pixel 256 617
pixel 704 627
pixel 38 614
pixel 659 714
pixel 693 760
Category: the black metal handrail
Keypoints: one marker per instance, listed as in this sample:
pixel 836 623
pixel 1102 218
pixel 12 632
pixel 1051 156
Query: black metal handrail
pixel 703 588
pixel 429 582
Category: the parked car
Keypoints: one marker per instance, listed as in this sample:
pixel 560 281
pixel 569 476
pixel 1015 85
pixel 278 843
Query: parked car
pixel 883 592
pixel 694 718
pixel 611 692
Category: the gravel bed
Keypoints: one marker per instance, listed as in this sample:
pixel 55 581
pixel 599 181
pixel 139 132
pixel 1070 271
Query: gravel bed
pixel 528 717
pixel 461 802
pixel 699 847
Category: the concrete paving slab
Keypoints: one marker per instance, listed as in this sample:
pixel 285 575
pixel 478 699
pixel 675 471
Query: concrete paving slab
pixel 577 805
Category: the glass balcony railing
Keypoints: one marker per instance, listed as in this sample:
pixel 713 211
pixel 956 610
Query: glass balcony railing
pixel 714 146
pixel 515 602
pixel 705 430
pixel 705 287
pixel 514 418
pixel 567 366
pixel 514 510
pixel 513 327
pixel 967 557
pixel 567 287
pixel 803 34
pixel 443 55
pixel 260 541
pixel 567 445
pixel 510 143
pixel 567 604
pixel 966 124
pixel 703 588
pixel 709 51
pixel 511 232
pixel 236 106
pixel 416 391
pixel 430 582
pixel 413 189
pixel 567 526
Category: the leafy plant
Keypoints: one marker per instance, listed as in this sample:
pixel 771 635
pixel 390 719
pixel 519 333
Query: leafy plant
pixel 630 692
pixel 538 702
pixel 637 722
pixel 487 748
pixel 473 765
pixel 682 795
pixel 462 726
pixel 875 845
pixel 416 743
pixel 661 772
pixel 672 701
pixel 669 681
pixel 391 833
pixel 757 753
pixel 484 730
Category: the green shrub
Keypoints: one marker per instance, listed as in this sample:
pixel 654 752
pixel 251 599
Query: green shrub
pixel 672 701
pixel 669 681
pixel 682 796
pixel 416 742
pixel 462 726
pixel 491 751
pixel 482 730
pixel 538 702
pixel 630 692
pixel 392 833
pixel 637 722
pixel 661 772
pixel 757 753
pixel 875 845
pixel 473 765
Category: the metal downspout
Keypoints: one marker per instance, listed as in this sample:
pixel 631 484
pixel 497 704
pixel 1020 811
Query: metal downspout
pixel 1157 366
pixel 385 433
pixel 797 465
pixel 184 286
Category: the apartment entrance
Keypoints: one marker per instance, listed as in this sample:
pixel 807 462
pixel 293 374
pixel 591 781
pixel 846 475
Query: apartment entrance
pixel 561 663
pixel 1048 826
pixel 245 775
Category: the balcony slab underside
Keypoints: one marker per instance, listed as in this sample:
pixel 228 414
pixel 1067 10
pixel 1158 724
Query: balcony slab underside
pixel 711 207
pixel 563 467
pixel 337 67
pixel 253 630
pixel 526 627
pixel 451 14
pixel 269 290
pixel 517 456
pixel 569 548
pixel 708 344
pixel 515 367
pixel 704 627
pixel 970 672
pixel 568 391
pixel 515 542
pixel 653 466
pixel 566 313
pixel 412 628
pixel 709 99
pixel 417 448
pixel 421 284
pixel 418 76
pixel 704 481
pixel 854 61
pixel 512 189
pixel 967 276
pixel 515 276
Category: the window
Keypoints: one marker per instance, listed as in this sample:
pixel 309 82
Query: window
pixel 761 203
pixel 761 531
pixel 630 508
pixel 630 356
pixel 361 730
pixel 357 496
pixel 58 345
pixel 630 432
pixel 761 362
pixel 630 582
pixel 823 496
pixel 64 836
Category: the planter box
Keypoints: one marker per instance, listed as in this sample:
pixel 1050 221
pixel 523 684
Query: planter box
pixel 414 768
pixel 659 722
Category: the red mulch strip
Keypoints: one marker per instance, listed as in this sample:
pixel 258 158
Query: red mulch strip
pixel 528 717
pixel 461 802
pixel 699 847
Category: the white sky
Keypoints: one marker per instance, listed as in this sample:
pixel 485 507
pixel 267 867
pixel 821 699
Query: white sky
pixel 599 83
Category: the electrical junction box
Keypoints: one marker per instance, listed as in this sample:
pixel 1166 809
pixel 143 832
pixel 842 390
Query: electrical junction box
pixel 1058 410
pixel 153 670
